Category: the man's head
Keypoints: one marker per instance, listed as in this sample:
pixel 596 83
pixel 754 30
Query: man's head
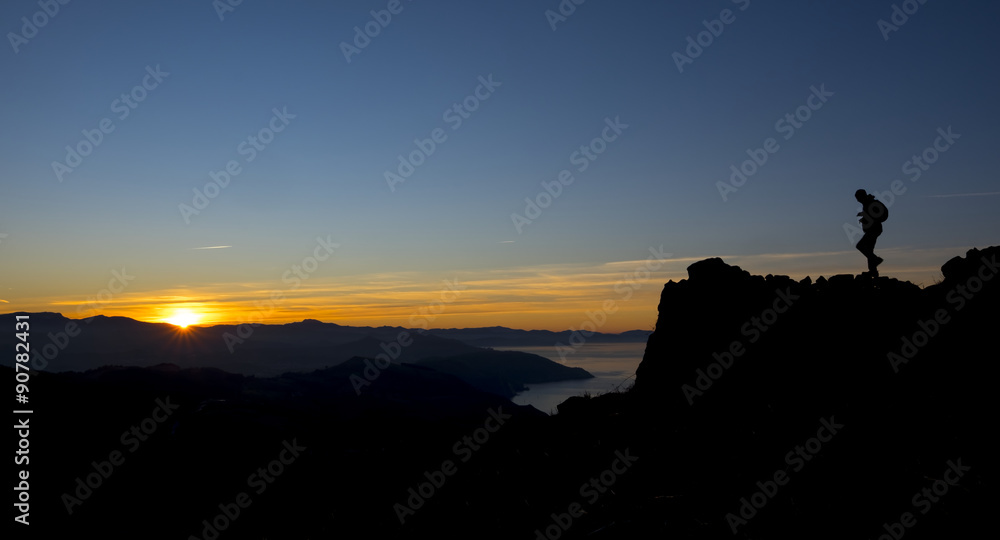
pixel 860 195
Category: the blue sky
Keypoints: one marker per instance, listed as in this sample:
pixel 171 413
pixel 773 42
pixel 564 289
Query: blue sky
pixel 323 175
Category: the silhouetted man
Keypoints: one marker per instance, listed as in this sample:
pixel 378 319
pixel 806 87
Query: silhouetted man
pixel 872 214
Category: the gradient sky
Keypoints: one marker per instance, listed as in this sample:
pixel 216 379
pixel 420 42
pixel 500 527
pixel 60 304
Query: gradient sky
pixel 655 186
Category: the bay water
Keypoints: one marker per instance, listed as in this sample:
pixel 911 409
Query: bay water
pixel 612 365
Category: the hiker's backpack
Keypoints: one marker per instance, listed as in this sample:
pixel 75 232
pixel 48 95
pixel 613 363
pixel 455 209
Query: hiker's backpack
pixel 878 211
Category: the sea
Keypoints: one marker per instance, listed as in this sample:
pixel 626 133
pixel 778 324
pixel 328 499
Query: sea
pixel 612 365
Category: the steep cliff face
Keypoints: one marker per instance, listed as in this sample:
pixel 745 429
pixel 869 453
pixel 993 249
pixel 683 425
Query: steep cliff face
pixel 741 368
pixel 724 333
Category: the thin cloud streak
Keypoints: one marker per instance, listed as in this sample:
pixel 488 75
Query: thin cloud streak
pixel 553 296
pixel 950 195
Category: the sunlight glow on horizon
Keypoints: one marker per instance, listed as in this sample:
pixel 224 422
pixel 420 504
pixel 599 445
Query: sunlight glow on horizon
pixel 183 317
pixel 544 297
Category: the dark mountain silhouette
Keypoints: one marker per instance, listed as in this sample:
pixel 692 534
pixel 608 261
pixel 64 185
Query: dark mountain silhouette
pixel 728 388
pixel 499 336
pixel 422 346
pixel 224 428
pixel 504 373
pixel 835 419
pixel 269 351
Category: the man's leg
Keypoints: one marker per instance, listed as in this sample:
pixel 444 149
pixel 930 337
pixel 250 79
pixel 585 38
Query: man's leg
pixel 878 260
pixel 866 246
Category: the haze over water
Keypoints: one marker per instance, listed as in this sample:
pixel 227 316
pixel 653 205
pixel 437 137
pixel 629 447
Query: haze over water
pixel 612 365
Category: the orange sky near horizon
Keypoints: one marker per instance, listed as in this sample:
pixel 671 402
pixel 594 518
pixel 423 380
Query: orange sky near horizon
pixel 549 297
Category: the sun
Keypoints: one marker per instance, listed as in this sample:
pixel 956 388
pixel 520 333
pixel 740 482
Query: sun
pixel 183 318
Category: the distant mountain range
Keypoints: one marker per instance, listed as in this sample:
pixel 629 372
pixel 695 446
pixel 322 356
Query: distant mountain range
pixel 499 336
pixel 764 407
pixel 61 344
